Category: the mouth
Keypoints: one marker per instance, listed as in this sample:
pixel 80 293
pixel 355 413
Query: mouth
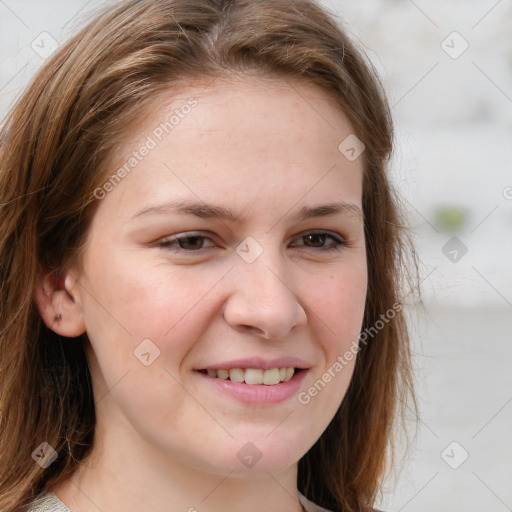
pixel 254 386
pixel 253 376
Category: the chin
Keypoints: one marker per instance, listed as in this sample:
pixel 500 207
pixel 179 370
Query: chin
pixel 247 459
pixel 264 453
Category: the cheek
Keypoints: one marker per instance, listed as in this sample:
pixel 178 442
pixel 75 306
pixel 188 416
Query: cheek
pixel 130 304
pixel 338 303
pixel 152 316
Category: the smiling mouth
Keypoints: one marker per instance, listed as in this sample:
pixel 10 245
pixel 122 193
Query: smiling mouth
pixel 253 376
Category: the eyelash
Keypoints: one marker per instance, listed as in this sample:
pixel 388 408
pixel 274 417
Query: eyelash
pixel 167 243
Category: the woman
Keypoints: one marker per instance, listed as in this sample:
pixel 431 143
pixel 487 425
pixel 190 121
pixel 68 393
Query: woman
pixel 201 261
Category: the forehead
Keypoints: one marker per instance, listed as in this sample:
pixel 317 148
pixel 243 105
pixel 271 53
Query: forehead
pixel 243 109
pixel 239 139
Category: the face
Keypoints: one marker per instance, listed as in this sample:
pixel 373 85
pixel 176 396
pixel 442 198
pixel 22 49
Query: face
pixel 234 242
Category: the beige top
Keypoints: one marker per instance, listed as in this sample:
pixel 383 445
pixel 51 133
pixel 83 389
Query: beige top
pixel 48 502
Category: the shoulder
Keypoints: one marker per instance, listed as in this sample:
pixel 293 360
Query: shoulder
pixel 47 502
pixel 309 506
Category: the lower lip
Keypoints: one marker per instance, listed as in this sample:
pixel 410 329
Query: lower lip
pixel 257 393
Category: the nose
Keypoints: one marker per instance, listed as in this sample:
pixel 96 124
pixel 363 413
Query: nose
pixel 263 302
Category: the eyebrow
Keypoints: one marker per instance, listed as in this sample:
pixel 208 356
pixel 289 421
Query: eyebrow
pixel 211 211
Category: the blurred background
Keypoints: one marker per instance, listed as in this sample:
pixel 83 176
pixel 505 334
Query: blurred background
pixel 447 68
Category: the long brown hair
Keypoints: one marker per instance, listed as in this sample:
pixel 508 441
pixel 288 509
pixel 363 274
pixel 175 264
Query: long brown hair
pixel 53 147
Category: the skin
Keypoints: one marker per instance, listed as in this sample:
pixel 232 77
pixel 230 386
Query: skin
pixel 165 440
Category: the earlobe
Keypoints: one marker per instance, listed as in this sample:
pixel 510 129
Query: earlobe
pixel 59 304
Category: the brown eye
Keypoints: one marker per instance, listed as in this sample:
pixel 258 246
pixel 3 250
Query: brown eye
pixel 191 242
pixel 317 240
pixel 187 243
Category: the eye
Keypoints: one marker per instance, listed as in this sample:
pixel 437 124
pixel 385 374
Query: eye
pixel 195 242
pixel 188 242
pixel 316 240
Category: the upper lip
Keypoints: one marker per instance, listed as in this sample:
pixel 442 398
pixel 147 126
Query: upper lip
pixel 258 363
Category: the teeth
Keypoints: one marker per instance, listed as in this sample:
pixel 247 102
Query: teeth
pixel 236 375
pixel 254 375
pixel 271 376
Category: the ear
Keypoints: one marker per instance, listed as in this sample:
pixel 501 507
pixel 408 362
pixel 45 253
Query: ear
pixel 58 302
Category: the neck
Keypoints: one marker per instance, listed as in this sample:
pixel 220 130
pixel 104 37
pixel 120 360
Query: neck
pixel 125 474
